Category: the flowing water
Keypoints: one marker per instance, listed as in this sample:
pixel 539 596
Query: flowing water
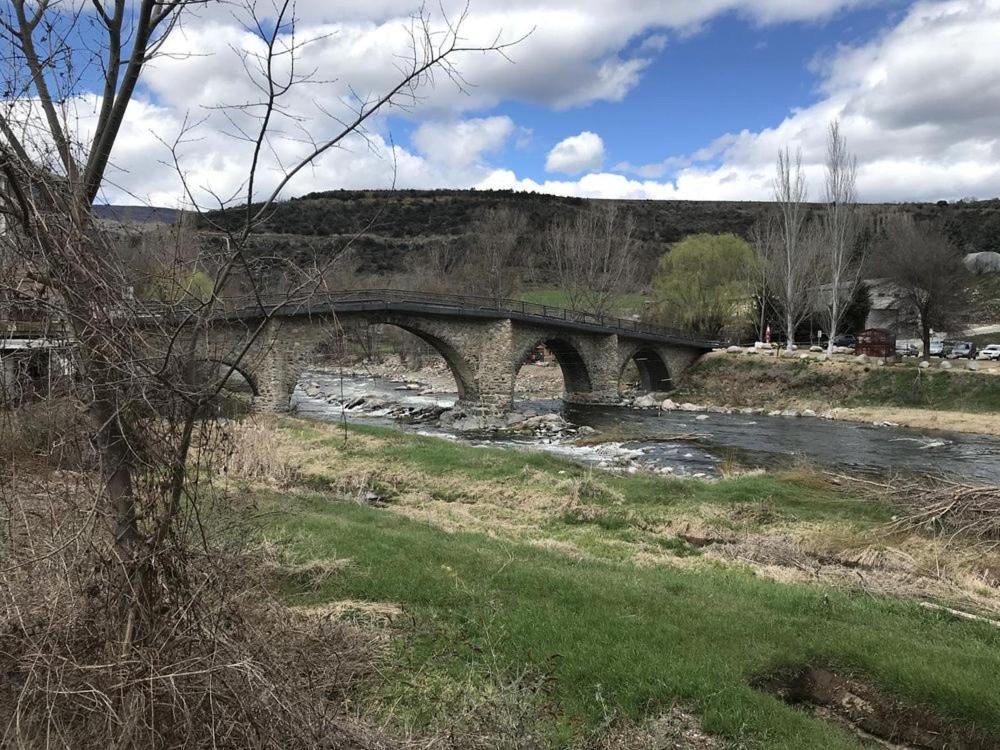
pixel 648 439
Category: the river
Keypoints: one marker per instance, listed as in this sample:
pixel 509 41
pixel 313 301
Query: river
pixel 645 439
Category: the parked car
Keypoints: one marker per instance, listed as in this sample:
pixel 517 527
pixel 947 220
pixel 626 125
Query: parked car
pixel 937 349
pixel 961 350
pixel 849 340
pixel 991 351
pixel 907 350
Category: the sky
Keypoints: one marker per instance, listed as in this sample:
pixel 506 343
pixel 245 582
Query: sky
pixel 661 99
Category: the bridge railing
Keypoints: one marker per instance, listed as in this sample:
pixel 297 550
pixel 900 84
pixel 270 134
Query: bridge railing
pixel 249 307
pixel 319 303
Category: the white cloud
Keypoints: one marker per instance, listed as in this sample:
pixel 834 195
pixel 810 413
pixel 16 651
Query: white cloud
pixel 920 104
pixel 576 154
pixel 462 143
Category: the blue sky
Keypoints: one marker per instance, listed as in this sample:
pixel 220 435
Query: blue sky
pixel 688 99
pixel 732 75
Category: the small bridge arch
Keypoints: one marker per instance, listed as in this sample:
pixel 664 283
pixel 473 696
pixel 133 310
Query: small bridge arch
pixel 654 372
pixel 226 368
pixel 575 371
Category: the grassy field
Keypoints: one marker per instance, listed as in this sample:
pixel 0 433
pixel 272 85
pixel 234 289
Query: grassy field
pixel 910 386
pixel 780 383
pixel 540 599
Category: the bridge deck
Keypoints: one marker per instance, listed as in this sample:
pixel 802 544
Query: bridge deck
pixel 457 305
pixel 403 301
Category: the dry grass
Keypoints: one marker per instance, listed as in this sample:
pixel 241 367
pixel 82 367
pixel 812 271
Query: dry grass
pixel 950 508
pixel 257 452
pixel 218 662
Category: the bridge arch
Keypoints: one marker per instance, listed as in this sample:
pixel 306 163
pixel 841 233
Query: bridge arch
pixel 459 365
pixel 575 371
pixel 654 372
pixel 224 366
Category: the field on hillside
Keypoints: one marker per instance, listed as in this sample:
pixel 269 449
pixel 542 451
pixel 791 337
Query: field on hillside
pixel 525 601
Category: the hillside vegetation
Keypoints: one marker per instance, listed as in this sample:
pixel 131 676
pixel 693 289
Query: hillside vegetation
pixel 398 226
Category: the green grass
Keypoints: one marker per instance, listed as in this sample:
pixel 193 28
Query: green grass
pixel 773 383
pixel 641 638
pixel 913 387
pixel 794 498
pixel 601 635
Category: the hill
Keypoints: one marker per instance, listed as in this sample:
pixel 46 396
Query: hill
pixel 136 214
pixel 397 226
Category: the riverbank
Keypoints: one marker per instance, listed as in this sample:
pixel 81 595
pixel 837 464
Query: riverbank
pixel 844 389
pixel 527 601
pixel 901 393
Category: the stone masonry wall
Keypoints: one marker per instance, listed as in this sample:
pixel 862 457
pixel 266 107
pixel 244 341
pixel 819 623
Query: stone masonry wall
pixel 484 355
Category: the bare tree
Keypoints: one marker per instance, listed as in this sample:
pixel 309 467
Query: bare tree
pixel 496 250
pixel 925 273
pixel 842 224
pixel 138 378
pixel 792 258
pixel 763 240
pixel 594 255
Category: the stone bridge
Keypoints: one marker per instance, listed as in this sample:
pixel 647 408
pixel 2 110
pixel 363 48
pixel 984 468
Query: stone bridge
pixel 484 342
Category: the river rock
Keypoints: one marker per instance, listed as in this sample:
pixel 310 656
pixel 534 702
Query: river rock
pixel 734 349
pixel 689 407
pixel 668 405
pixel 789 413
pixel 945 364
pixel 547 424
pixel 816 349
pixel 972 365
pixel 984 262
pixel 751 350
pixel 515 417
pixel 469 424
pixel 924 364
pixel 803 356
pixel 645 401
pixel 861 358
pixel 701 417
pixel 585 430
pixel 808 413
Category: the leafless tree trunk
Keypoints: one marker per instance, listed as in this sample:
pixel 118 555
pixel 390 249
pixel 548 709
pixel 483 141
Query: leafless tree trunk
pixel 136 361
pixel 792 259
pixel 763 241
pixel 842 223
pixel 594 254
pixel 496 251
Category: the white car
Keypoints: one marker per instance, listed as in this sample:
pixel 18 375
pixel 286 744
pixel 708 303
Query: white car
pixel 990 352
